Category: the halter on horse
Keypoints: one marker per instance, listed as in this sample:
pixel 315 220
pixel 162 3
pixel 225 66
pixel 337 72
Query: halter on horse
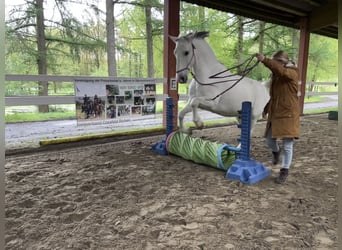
pixel 213 87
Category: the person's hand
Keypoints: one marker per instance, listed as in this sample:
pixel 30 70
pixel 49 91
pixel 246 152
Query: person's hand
pixel 260 57
pixel 264 115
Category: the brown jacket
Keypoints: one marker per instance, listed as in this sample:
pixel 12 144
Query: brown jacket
pixel 283 106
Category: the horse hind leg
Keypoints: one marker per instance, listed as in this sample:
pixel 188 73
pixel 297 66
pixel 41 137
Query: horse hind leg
pixel 253 123
pixel 197 119
pixel 238 119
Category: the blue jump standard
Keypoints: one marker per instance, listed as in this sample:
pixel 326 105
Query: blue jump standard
pixel 245 169
pixel 160 147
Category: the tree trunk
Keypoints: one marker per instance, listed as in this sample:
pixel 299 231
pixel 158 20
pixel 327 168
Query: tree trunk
pixel 149 39
pixel 240 43
pixel 41 57
pixel 110 28
pixel 201 17
pixel 130 64
pixel 261 43
pixel 295 42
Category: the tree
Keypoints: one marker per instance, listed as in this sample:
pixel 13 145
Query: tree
pixel 111 41
pixel 41 53
pixel 261 43
pixel 323 59
pixel 29 24
pixel 149 38
pixel 240 24
pixel 137 32
pixel 132 44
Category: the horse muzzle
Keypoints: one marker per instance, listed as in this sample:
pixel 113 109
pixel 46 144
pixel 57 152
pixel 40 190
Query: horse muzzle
pixel 182 77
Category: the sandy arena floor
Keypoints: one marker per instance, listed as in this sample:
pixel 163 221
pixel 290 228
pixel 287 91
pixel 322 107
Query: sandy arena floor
pixel 121 195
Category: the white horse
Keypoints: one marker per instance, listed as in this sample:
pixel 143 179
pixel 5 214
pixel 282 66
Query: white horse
pixel 213 87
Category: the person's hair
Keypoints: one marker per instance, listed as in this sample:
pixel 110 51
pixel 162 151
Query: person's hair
pixel 281 56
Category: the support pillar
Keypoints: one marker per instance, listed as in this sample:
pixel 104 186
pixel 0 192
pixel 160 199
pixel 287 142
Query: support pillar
pixel 339 119
pixel 171 27
pixel 303 55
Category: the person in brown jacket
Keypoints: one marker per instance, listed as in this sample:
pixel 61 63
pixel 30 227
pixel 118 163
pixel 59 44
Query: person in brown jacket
pixel 282 110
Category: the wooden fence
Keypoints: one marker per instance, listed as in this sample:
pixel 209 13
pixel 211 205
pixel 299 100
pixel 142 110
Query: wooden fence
pixel 314 88
pixel 70 99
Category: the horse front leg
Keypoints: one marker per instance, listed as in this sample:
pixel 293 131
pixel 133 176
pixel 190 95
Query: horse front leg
pixel 196 118
pixel 181 115
pixel 202 102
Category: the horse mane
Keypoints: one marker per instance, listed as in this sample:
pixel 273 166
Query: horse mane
pixel 197 34
pixel 201 34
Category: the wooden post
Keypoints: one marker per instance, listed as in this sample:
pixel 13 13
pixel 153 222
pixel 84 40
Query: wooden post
pixel 339 118
pixel 303 55
pixel 171 27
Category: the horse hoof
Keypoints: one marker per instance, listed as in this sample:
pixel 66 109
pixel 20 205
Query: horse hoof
pixel 187 131
pixel 199 125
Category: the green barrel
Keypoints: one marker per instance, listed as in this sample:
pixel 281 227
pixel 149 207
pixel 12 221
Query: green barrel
pixel 200 151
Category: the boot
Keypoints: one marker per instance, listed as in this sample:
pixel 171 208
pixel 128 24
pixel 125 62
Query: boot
pixel 276 156
pixel 284 172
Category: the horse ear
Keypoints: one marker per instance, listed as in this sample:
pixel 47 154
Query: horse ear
pixel 173 38
pixel 202 34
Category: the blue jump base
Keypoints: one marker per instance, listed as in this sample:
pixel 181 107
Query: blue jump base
pixel 160 148
pixel 247 171
pixel 244 168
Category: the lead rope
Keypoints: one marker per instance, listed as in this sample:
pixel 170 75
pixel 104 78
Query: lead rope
pixel 245 72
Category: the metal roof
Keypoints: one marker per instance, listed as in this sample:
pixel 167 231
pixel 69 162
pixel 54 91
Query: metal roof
pixel 322 14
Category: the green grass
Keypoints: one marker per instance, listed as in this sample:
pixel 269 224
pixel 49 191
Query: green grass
pixel 318 111
pixel 312 99
pixel 66 112
pixel 33 117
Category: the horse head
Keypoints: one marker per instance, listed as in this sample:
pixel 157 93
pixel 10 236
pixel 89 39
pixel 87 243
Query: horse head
pixel 185 53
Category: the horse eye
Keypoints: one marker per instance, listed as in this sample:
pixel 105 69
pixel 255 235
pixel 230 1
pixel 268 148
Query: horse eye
pixel 186 53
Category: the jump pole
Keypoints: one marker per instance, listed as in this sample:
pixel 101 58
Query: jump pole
pixel 235 161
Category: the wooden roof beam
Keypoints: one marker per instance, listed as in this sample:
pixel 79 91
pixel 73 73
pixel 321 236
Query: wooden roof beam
pixel 324 16
pixel 314 2
pixel 281 7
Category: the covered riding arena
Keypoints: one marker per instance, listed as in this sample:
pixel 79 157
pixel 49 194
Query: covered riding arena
pixel 121 195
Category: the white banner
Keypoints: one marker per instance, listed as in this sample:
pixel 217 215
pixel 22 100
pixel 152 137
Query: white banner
pixel 102 101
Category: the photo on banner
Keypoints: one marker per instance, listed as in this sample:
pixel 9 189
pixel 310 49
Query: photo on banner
pixel 103 101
